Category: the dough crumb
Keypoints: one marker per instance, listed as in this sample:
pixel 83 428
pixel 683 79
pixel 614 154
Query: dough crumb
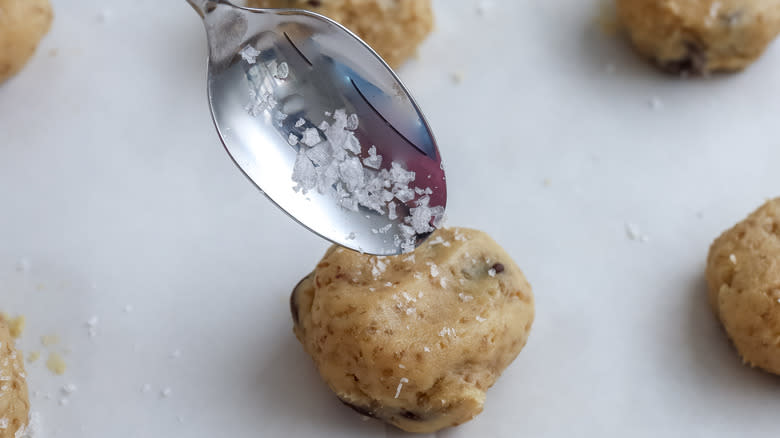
pixel 56 364
pixel 16 324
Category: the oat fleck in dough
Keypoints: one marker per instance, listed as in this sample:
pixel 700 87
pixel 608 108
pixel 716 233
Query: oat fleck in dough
pixel 701 36
pixel 393 28
pixel 14 401
pixel 22 25
pixel 415 340
pixel 743 274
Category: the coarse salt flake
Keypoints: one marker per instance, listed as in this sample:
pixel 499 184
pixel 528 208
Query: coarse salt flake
pixel 70 388
pixel 249 54
pixel 311 137
pixel 398 390
pixel 282 71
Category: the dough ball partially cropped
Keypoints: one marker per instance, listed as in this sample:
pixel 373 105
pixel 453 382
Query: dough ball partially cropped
pixel 14 401
pixel 393 28
pixel 700 36
pixel 743 274
pixel 415 340
pixel 22 25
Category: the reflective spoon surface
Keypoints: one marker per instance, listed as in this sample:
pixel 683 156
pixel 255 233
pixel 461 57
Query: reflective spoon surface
pixel 274 77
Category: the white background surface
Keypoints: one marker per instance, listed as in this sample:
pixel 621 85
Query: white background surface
pixel 114 185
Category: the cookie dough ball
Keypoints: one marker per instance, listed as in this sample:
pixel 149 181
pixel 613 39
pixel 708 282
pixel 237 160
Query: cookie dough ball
pixel 22 25
pixel 393 28
pixel 14 401
pixel 415 340
pixel 701 36
pixel 743 274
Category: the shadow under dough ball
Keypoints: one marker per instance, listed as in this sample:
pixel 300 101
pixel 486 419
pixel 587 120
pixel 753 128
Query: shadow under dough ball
pixel 743 275
pixel 700 36
pixel 14 400
pixel 394 29
pixel 415 340
pixel 22 25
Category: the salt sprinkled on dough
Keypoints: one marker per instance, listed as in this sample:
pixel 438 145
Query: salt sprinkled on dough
pixel 492 272
pixel 398 390
pixel 377 267
pixel 447 331
pixel 465 298
pixel 480 319
pixel 400 385
pixel 733 259
pixel 714 9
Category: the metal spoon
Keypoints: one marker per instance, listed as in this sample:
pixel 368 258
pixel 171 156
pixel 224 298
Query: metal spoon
pixel 306 67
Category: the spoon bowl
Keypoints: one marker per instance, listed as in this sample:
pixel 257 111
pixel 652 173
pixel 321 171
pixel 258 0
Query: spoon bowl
pixel 281 79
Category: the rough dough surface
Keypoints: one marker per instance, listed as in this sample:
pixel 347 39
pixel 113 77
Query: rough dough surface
pixel 415 340
pixel 394 28
pixel 743 274
pixel 14 401
pixel 701 36
pixel 22 25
